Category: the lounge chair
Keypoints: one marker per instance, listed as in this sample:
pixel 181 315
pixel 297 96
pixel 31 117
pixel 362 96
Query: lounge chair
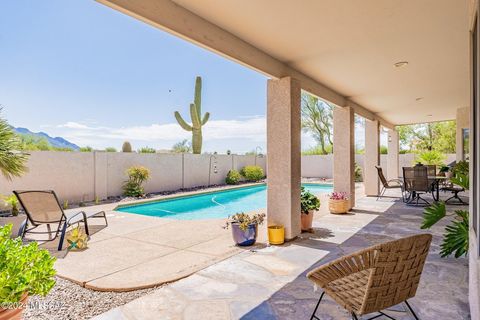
pixel 376 278
pixel 43 208
pixel 389 184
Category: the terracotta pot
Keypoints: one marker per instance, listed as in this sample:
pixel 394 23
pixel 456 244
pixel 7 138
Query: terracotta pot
pixel 338 206
pixel 307 220
pixel 14 314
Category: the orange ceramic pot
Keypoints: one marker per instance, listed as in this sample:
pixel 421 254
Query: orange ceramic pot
pixel 307 220
pixel 14 314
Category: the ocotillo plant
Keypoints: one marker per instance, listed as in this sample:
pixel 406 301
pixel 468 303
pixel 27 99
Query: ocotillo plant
pixel 196 115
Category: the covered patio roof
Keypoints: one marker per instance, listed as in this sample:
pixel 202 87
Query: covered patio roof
pixel 344 52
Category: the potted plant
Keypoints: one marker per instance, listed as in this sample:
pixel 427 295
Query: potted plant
pixel 443 171
pixel 25 270
pixel 338 203
pixel 245 227
pixel 12 201
pixel 309 204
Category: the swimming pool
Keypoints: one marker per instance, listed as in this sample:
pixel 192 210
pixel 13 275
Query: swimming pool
pixel 213 205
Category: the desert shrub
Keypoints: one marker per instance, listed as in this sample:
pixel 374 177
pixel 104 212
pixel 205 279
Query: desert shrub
pixel 252 173
pixel 358 173
pixel 430 157
pixel 233 177
pixel 86 149
pixel 126 147
pixel 146 150
pixel 137 175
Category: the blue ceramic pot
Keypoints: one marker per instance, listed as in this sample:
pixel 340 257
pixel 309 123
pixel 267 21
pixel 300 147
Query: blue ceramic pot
pixel 244 238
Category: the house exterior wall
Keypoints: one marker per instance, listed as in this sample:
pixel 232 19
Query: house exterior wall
pixel 463 122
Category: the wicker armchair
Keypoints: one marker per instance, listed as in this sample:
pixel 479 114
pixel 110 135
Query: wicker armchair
pixel 375 278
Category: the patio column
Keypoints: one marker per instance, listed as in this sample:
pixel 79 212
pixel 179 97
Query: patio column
pixel 283 155
pixel 372 157
pixel 392 157
pixel 344 152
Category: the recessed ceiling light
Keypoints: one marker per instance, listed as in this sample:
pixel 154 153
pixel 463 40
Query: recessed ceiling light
pixel 419 98
pixel 400 64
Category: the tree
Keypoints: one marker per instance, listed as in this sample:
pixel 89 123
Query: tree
pixel 196 115
pixel 439 136
pixel 183 146
pixel 12 162
pixel 110 149
pixel 317 119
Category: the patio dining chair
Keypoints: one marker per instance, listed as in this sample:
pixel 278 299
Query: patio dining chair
pixel 416 183
pixel 376 278
pixel 388 184
pixel 43 209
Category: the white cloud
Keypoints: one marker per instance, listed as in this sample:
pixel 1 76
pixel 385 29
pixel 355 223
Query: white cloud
pixel 164 135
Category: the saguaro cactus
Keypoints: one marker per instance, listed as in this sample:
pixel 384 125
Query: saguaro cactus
pixel 196 115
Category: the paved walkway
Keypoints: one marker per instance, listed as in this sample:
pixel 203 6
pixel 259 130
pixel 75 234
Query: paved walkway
pixel 270 283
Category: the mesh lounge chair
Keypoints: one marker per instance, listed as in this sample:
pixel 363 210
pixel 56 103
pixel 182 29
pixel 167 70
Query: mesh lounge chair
pixel 376 278
pixel 43 208
pixel 388 184
pixel 416 183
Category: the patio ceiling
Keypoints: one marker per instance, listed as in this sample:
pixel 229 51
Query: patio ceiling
pixel 347 47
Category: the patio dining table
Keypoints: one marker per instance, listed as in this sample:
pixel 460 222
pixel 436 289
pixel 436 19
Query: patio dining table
pixel 436 184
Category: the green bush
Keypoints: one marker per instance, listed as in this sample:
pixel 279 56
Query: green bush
pixel 23 268
pixel 146 150
pixel 358 173
pixel 233 177
pixel 431 157
pixel 308 201
pixel 110 149
pixel 86 149
pixel 252 173
pixel 137 175
pixel 461 167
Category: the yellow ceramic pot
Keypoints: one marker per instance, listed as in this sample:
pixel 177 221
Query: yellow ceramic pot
pixel 276 234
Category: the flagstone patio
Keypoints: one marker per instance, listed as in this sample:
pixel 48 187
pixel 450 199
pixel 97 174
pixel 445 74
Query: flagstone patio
pixel 270 283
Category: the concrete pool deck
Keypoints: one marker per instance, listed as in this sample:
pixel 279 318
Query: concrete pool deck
pixel 137 251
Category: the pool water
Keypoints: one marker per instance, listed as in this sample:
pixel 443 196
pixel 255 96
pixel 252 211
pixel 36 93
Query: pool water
pixel 213 205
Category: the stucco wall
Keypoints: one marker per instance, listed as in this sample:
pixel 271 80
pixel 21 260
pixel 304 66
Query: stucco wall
pixel 79 176
pixel 463 122
pixel 321 166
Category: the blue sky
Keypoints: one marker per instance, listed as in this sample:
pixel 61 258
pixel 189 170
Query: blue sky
pixel 94 76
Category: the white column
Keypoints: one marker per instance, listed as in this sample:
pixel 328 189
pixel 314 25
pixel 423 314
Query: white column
pixel 372 157
pixel 392 157
pixel 344 152
pixel 283 155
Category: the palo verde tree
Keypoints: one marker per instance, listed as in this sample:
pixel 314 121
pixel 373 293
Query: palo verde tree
pixel 196 116
pixel 317 119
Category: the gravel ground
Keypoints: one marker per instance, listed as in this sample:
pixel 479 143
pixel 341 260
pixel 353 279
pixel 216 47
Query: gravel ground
pixel 69 301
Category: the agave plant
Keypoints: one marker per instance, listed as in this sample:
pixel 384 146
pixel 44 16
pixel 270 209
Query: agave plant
pixel 455 238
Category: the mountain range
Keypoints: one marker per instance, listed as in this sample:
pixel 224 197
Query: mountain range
pixel 57 142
